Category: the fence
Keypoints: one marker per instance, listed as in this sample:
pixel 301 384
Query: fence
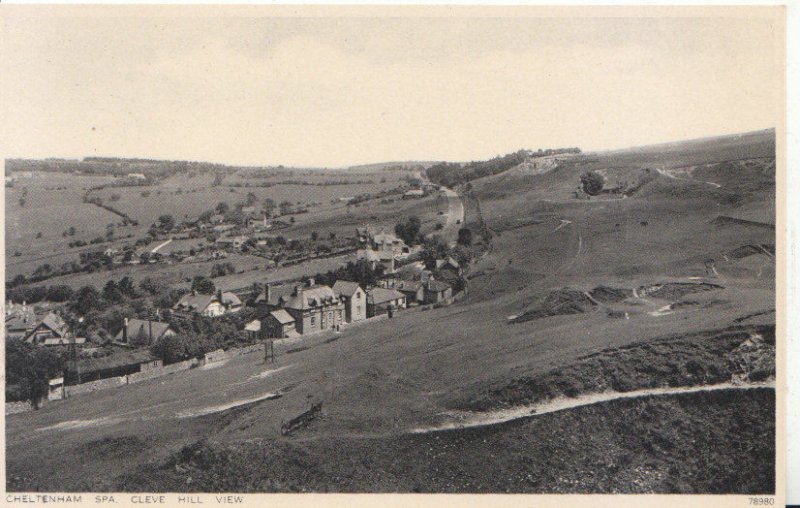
pixel 138 377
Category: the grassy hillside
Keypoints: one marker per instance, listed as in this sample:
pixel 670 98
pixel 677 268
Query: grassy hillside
pixel 614 292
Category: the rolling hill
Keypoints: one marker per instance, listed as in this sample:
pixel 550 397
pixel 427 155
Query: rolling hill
pixel 619 293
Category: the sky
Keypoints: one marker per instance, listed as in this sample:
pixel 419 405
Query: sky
pixel 245 87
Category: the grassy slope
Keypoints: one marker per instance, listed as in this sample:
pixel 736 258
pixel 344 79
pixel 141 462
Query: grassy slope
pixel 389 376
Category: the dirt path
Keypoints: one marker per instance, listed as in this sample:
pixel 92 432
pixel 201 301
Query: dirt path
pixel 163 244
pixel 473 419
pixel 670 175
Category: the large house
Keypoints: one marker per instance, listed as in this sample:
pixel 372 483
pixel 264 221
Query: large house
pixel 208 305
pixel 142 332
pixel 354 298
pixel 381 241
pixel 382 301
pixel 315 308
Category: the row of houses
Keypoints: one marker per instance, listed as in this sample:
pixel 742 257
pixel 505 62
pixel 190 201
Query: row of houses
pixel 297 309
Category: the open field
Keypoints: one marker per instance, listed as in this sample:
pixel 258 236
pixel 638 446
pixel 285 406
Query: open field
pixel 54 203
pixel 574 297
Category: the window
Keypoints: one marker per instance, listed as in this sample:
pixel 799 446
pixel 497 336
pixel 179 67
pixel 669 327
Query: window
pixel 358 295
pixel 313 320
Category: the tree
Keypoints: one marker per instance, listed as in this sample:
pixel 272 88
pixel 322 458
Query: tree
pixel 111 292
pixel 166 221
pixel 268 206
pixel 222 208
pixel 251 199
pixel 125 286
pixel 432 250
pixel 314 236
pixel 206 216
pixel 86 300
pixel 150 285
pixel 465 237
pixel 176 348
pixel 409 231
pixel 236 217
pixel 59 293
pixel 31 368
pixel 592 183
pixel 203 285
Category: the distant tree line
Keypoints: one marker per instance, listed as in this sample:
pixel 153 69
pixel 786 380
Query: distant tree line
pixel 451 174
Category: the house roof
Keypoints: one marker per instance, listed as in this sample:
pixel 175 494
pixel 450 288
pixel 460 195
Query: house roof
pixel 345 287
pixel 447 261
pixel 367 255
pixel 137 326
pixel 310 297
pixel 275 295
pixel 21 320
pixel 415 192
pixel 407 285
pixel 231 299
pixel 436 286
pixel 196 303
pixel 53 322
pixel 253 326
pixel 377 296
pixel 282 316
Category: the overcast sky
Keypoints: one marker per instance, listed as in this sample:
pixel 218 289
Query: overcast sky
pixel 339 91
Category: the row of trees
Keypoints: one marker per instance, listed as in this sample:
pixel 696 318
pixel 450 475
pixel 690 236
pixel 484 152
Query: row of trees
pixel 451 174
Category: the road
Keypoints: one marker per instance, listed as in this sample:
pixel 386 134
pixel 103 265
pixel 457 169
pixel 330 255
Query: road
pixel 454 217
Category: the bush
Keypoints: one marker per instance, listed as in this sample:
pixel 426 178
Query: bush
pixel 592 183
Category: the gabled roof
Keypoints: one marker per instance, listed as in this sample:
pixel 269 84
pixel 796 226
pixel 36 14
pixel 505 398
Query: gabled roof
pixel 282 316
pixel 230 299
pixel 275 294
pixel 253 326
pixel 53 322
pixel 138 326
pixel 310 297
pixel 345 288
pixel 377 296
pixel 196 303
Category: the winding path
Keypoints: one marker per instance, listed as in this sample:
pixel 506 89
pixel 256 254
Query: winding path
pixel 475 419
pixel 664 172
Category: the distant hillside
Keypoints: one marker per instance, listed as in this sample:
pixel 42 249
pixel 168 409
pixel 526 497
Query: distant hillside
pixel 728 147
pixel 450 174
pixel 393 166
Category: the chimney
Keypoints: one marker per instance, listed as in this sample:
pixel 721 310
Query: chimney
pixel 125 330
pixel 267 291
